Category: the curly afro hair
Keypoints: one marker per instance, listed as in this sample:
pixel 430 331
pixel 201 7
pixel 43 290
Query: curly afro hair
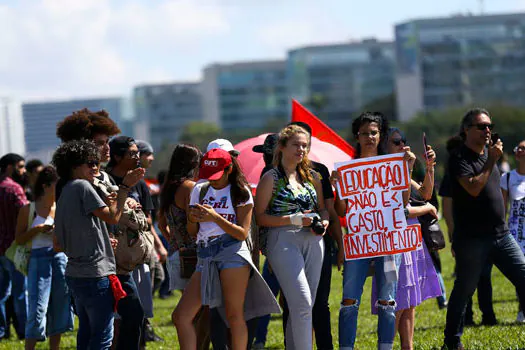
pixel 85 124
pixel 72 154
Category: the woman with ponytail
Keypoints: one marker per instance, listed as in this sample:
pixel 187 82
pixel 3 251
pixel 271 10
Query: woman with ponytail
pixel 219 215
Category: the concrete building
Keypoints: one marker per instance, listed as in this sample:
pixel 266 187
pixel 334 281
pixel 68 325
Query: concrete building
pixel 163 110
pixel 245 95
pixel 41 119
pixel 11 127
pixel 346 77
pixel 459 61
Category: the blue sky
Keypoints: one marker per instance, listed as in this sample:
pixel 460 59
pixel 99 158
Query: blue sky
pixel 75 48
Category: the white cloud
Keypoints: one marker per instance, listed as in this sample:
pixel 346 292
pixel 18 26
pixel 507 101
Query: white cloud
pixel 59 48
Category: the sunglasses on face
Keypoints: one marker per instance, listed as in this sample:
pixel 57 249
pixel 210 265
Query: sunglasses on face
pixel 519 149
pixel 482 127
pixel 135 154
pixel 93 163
pixel 368 134
pixel 398 142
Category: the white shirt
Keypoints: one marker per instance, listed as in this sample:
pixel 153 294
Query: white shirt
pixel 516 194
pixel 221 202
pixel 42 240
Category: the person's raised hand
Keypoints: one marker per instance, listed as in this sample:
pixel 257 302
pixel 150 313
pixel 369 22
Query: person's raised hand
pixel 409 157
pixel 133 177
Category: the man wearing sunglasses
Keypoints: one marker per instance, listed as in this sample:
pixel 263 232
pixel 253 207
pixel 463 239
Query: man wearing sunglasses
pixel 480 231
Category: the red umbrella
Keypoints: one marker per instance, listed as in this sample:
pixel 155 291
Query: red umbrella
pixel 252 163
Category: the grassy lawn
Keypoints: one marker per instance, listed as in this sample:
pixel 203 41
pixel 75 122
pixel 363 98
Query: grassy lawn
pixel 430 321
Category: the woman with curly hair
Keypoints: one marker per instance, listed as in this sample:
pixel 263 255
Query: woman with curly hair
pixel 82 234
pixel 288 198
pixel 88 125
pixel 49 310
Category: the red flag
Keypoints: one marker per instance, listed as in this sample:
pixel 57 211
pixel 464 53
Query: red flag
pixel 320 129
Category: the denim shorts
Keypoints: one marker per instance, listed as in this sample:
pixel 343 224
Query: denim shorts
pixel 214 246
pixel 50 310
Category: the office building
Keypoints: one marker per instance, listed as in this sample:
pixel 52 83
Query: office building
pixel 459 61
pixel 163 110
pixel 41 119
pixel 246 95
pixel 345 78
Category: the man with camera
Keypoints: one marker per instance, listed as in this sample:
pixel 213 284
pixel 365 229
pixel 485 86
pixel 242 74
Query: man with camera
pixel 480 231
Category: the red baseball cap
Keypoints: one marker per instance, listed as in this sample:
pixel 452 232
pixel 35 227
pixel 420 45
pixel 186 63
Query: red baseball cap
pixel 213 164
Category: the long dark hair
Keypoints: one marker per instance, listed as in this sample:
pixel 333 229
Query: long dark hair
pixel 371 117
pixel 184 164
pixel 239 184
pixel 46 177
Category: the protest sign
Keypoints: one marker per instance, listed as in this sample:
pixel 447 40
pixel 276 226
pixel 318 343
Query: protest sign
pixel 375 215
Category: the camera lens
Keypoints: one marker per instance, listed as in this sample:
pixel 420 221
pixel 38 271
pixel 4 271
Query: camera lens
pixel 317 226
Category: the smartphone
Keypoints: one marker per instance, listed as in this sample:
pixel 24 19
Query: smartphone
pixel 494 137
pixel 425 144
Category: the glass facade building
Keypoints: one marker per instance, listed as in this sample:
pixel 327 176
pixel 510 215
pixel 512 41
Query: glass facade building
pixel 41 119
pixel 163 110
pixel 346 77
pixel 459 61
pixel 245 95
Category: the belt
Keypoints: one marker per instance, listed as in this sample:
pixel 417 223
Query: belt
pixel 208 240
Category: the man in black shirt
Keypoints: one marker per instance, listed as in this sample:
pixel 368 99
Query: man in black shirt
pixel 484 286
pixel 480 231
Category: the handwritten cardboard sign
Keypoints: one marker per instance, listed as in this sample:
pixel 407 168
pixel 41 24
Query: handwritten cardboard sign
pixel 375 215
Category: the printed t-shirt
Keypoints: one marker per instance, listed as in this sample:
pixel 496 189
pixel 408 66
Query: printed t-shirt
pixel 221 202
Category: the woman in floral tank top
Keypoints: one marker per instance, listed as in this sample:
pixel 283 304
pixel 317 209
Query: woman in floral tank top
pixel 287 198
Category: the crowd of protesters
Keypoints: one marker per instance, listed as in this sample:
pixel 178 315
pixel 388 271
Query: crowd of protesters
pixel 96 238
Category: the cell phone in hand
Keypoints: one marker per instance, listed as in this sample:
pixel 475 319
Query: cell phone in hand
pixel 425 145
pixel 494 137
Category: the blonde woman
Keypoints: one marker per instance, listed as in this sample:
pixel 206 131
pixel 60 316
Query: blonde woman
pixel 290 202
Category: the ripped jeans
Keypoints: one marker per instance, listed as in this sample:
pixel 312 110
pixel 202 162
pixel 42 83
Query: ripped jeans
pixel 354 276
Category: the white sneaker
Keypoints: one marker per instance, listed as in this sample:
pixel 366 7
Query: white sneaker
pixel 521 317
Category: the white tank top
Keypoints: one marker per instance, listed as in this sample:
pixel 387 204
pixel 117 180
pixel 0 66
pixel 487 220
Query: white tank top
pixel 43 240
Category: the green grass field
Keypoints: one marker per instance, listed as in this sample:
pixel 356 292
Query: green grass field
pixel 430 321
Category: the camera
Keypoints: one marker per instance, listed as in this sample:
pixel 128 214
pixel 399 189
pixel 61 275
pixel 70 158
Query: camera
pixel 316 226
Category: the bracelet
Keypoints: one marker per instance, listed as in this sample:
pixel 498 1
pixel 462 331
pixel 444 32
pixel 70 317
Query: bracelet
pixel 124 186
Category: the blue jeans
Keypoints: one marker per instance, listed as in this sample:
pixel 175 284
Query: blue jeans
pixel 442 299
pixel 12 282
pixel 94 305
pixel 354 276
pixel 50 311
pixel 264 321
pixel 472 255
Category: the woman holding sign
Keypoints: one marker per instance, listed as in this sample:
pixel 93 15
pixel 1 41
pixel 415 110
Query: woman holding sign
pixel 369 130
pixel 417 278
pixel 290 202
